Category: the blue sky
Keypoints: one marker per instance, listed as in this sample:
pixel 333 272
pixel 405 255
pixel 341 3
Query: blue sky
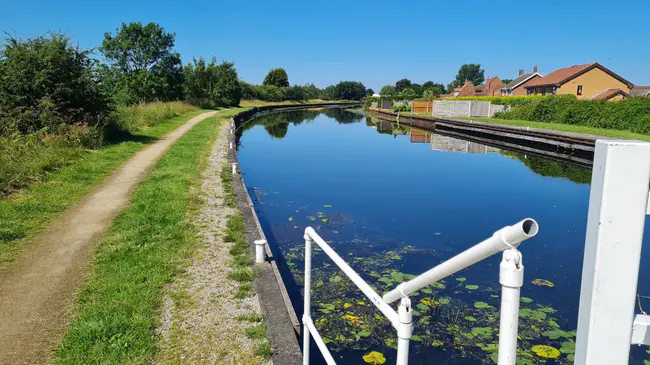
pixel 375 42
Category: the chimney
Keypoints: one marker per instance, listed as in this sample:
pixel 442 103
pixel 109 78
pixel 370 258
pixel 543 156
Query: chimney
pixel 521 71
pixel 535 69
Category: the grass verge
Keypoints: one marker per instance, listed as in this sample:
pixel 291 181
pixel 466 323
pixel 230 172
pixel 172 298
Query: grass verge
pixel 611 133
pixel 242 267
pixel 26 212
pixel 118 308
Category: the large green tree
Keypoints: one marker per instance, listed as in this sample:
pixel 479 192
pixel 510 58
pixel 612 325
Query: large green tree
pixel 277 77
pixel 349 90
pixel 46 81
pixel 388 90
pixel 402 84
pixel 468 72
pixel 212 83
pixel 144 65
pixel 433 87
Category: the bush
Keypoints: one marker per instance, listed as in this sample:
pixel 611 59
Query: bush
pixel 505 100
pixel 402 108
pixel 632 114
pixel 47 82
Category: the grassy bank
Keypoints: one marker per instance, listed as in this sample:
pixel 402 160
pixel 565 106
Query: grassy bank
pixel 117 310
pixel 611 133
pixel 25 212
pixel 250 103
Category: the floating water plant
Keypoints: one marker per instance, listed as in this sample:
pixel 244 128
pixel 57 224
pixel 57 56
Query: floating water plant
pixel 542 282
pixel 375 358
pixel 545 351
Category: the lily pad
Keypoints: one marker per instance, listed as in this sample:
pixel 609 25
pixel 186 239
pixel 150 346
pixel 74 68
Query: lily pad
pixel 568 347
pixel 438 285
pixel 490 347
pixel 327 206
pixel 444 300
pixel 416 338
pixel 545 351
pixel 485 332
pixel 542 282
pixel 482 305
pixel 461 279
pixel 325 220
pixel 526 300
pixel 375 358
pixel 471 287
pixel 470 319
pixel 335 279
pixel 422 307
pixel 427 291
pixel 437 343
pixel 493 296
pixel 311 218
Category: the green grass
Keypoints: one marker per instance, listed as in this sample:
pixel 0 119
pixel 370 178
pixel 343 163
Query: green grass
pixel 611 133
pixel 26 212
pixel 250 317
pixel 118 308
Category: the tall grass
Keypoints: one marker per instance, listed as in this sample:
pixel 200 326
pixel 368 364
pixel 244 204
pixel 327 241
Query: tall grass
pixel 137 117
pixel 26 159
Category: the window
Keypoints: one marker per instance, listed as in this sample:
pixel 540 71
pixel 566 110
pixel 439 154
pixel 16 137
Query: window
pixel 579 90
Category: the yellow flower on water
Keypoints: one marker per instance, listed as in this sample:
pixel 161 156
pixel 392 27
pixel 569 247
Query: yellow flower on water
pixel 347 305
pixel 361 303
pixel 353 319
pixel 544 351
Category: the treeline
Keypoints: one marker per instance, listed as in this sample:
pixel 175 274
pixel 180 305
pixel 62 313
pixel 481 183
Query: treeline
pixel 47 83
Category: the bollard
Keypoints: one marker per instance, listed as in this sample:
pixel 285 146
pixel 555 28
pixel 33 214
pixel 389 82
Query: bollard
pixel 260 253
pixel 234 168
pixel 230 145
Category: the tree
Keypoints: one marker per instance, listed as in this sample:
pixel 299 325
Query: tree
pixel 44 82
pixel 143 61
pixel 402 84
pixel 295 93
pixel 212 83
pixel 277 77
pixel 329 93
pixel 370 92
pixel 349 90
pixel 506 81
pixel 388 90
pixel 431 88
pixel 468 72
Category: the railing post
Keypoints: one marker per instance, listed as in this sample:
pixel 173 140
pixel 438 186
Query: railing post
pixel 260 253
pixel 617 210
pixel 307 305
pixel 234 168
pixel 511 277
pixel 404 331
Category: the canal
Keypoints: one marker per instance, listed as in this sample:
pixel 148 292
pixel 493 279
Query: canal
pixel 396 201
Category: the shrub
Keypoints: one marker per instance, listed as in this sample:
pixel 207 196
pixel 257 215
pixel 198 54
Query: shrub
pixel 632 114
pixel 402 108
pixel 505 100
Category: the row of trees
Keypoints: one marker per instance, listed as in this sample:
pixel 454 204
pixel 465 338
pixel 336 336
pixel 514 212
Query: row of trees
pixel 275 87
pixel 47 81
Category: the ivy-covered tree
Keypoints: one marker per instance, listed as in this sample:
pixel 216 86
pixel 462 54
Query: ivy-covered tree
pixel 144 65
pixel 277 77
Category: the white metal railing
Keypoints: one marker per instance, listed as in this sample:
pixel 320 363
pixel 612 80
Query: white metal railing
pixel 618 206
pixel 511 277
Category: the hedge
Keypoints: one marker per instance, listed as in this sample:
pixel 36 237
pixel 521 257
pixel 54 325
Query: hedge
pixel 632 114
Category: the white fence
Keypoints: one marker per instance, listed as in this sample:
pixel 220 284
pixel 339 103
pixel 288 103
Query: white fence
pixel 465 108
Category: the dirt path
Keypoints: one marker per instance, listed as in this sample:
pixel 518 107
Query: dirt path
pixel 200 314
pixel 38 288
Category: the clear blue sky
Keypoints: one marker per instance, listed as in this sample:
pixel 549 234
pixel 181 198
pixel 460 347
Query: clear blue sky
pixel 375 42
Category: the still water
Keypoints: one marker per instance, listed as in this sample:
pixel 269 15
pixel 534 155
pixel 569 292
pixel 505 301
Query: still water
pixel 396 201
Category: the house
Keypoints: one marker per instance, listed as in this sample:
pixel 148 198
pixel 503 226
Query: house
pixel 518 85
pixel 640 91
pixel 468 89
pixel 492 87
pixel 611 95
pixel 583 81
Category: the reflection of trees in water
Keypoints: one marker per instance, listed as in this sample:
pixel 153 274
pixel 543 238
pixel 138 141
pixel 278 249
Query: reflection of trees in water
pixel 550 168
pixel 342 116
pixel 277 124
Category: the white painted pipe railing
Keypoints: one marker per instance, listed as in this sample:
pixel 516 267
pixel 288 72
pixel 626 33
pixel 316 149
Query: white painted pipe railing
pixel 511 274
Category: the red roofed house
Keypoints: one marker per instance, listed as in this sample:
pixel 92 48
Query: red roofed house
pixel 492 87
pixel 584 81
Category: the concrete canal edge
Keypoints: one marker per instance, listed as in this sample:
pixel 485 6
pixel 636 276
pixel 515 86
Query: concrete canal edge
pixel 282 321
